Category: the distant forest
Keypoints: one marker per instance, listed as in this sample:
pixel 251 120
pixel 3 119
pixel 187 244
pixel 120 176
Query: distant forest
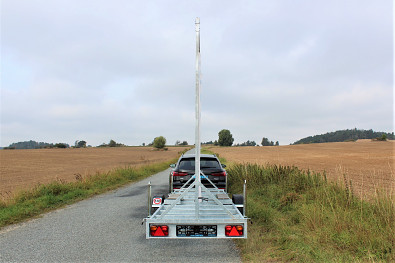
pixel 345 135
pixel 36 145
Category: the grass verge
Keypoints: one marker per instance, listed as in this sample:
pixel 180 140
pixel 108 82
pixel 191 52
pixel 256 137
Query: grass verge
pixel 299 216
pixel 48 197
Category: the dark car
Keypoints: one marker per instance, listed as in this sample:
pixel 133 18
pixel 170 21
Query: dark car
pixel 209 165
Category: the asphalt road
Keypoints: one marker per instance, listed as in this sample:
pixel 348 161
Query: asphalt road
pixel 106 228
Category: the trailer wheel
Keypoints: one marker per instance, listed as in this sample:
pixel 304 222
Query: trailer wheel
pixel 238 199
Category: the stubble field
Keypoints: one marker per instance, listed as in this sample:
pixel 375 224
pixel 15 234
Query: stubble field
pixel 368 164
pixel 25 169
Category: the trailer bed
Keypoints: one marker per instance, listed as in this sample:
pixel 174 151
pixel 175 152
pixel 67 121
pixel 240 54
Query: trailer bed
pixel 187 217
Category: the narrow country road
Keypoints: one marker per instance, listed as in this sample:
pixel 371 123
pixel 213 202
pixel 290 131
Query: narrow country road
pixel 106 228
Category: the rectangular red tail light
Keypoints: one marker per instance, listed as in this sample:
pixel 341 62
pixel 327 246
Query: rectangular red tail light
pixel 234 231
pixel 179 174
pixel 159 231
pixel 219 174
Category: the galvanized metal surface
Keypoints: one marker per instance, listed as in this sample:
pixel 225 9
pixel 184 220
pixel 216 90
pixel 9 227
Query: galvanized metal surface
pixel 197 105
pixel 183 208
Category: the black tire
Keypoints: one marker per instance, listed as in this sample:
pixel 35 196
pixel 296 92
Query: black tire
pixel 238 199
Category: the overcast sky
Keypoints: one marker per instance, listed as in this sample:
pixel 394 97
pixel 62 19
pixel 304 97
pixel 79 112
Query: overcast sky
pixel 125 70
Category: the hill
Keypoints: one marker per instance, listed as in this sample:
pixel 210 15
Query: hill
pixel 344 135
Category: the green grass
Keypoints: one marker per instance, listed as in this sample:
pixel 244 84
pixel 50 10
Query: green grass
pixel 44 198
pixel 299 216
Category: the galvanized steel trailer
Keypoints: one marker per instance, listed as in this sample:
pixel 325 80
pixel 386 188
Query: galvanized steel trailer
pixel 195 211
pixel 186 215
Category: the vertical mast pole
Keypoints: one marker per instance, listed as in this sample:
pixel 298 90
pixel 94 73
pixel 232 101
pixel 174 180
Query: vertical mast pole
pixel 197 109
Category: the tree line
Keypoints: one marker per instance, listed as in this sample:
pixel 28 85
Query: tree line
pixel 225 138
pixel 36 145
pixel 346 135
pixel 112 143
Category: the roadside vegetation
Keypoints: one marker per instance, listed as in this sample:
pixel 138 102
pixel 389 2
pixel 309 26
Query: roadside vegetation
pixel 51 196
pixel 300 216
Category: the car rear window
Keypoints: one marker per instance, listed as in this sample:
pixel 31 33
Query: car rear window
pixel 205 163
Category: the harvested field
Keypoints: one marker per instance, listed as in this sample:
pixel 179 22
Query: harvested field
pixel 368 164
pixel 25 169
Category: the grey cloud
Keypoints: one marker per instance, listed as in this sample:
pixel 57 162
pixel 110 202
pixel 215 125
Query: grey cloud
pixel 124 70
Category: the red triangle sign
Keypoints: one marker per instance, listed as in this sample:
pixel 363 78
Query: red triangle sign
pixel 159 232
pixel 234 232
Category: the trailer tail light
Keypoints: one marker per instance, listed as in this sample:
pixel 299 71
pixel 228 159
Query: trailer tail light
pixel 234 231
pixel 159 231
pixel 179 174
pixel 219 174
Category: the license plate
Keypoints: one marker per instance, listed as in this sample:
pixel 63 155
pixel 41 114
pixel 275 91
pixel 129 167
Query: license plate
pixel 196 231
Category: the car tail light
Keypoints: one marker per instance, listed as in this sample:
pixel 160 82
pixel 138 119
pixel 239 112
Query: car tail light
pixel 179 174
pixel 219 174
pixel 234 231
pixel 159 231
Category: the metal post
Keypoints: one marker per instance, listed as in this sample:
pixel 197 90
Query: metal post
pixel 226 183
pixel 149 198
pixel 171 183
pixel 244 197
pixel 197 111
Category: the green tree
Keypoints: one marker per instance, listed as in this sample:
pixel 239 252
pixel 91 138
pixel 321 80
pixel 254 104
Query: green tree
pixel 80 144
pixel 159 142
pixel 225 138
pixel 383 137
pixel 61 145
pixel 266 142
pixel 112 143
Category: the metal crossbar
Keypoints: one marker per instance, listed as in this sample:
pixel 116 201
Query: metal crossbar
pixel 194 176
pixel 197 203
pixel 176 201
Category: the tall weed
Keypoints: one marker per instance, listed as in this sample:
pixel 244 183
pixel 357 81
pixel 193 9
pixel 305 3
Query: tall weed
pixel 302 217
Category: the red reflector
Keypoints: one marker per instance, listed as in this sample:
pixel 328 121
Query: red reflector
pixel 159 231
pixel 233 231
pixel 219 174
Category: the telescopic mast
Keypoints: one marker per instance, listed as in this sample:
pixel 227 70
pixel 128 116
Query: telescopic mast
pixel 197 110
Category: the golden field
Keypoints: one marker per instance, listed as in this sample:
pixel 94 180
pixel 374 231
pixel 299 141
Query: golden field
pixel 368 164
pixel 25 169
